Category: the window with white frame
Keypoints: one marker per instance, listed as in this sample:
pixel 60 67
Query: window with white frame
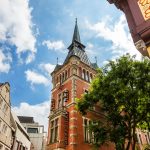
pixel 54 131
pixel 88 136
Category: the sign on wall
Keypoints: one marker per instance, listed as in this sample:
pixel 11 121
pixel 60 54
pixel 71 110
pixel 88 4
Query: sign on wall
pixel 145 8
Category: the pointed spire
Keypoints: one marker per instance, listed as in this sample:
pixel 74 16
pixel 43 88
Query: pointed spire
pixel 76 35
pixel 57 60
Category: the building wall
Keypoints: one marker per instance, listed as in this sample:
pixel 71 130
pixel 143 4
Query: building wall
pixel 77 85
pixel 20 137
pixel 73 131
pixel 5 126
pixel 38 141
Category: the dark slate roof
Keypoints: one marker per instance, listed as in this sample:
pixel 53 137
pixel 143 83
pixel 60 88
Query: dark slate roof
pixel 77 49
pixel 81 54
pixel 25 119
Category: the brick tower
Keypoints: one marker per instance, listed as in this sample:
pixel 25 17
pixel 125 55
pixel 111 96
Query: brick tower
pixel 67 128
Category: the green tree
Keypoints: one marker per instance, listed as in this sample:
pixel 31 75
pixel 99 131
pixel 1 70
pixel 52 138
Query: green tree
pixel 122 89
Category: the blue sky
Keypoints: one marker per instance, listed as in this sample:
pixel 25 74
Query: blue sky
pixel 33 33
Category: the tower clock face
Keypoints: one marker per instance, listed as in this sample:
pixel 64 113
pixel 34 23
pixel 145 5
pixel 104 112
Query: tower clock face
pixel 145 8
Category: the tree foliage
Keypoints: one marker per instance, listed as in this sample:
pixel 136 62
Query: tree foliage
pixel 122 88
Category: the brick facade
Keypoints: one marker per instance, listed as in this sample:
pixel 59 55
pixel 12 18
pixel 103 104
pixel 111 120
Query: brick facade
pixel 67 127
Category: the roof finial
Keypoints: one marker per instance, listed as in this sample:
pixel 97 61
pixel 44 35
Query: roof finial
pixel 76 20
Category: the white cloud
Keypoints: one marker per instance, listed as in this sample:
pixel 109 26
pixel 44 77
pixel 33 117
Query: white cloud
pixel 5 60
pixel 91 50
pixel 116 33
pixel 16 26
pixel 36 78
pixel 54 45
pixel 47 67
pixel 40 112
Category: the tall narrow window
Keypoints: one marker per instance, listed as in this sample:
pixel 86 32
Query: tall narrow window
pixel 52 104
pixel 66 75
pixel 65 96
pixel 69 72
pixel 80 72
pixel 54 131
pixel 88 135
pixel 63 77
pixel 140 139
pixel 91 77
pixel 60 78
pixel 84 75
pixel 85 130
pixel 147 140
pixel 87 76
pixel 59 100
